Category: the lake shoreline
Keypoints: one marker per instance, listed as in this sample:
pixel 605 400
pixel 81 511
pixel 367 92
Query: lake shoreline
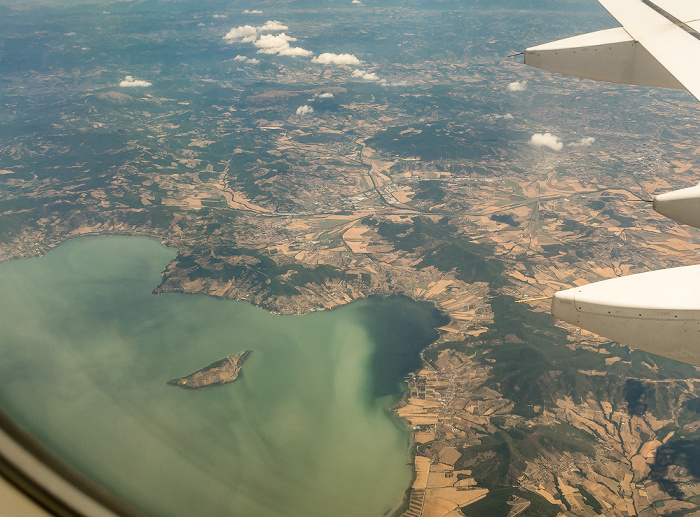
pixel 386 298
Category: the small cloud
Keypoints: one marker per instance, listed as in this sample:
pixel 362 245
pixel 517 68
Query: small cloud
pixel 220 16
pixel 365 76
pixel 242 33
pixel 304 110
pixel 321 96
pixel 267 43
pixel 69 34
pixel 252 11
pixel 356 2
pixel 584 142
pixel 279 44
pixel 517 86
pixel 507 116
pixel 295 52
pixel 243 59
pixel 129 81
pixel 384 82
pixel 271 44
pixel 328 58
pixel 272 26
pixel 546 140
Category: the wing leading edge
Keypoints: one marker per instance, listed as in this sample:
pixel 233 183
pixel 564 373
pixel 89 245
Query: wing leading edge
pixel 657 45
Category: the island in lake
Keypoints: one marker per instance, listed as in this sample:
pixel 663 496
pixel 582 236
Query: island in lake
pixel 217 373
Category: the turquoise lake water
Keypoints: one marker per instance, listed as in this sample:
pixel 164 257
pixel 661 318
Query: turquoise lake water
pixel 86 350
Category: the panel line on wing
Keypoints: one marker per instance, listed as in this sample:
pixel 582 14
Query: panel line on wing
pixel 687 28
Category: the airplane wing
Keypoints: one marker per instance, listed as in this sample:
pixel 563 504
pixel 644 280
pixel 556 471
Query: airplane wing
pixel 657 45
pixel 657 311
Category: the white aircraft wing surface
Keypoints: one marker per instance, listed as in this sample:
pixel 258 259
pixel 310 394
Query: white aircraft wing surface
pixel 657 45
pixel 655 311
pixel 669 37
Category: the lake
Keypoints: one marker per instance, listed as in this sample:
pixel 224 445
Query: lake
pixel 86 350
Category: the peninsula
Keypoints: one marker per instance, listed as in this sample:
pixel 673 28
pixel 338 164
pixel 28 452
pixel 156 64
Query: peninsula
pixel 216 374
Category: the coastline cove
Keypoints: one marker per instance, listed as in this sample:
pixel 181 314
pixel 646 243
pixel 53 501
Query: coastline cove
pixel 87 349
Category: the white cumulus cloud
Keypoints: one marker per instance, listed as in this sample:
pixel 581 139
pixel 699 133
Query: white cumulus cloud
pixel 270 40
pixel 220 16
pixel 272 26
pixel 304 110
pixel 517 86
pixel 252 11
pixel 546 140
pixel 365 76
pixel 129 81
pixel 242 33
pixel 243 59
pixel 267 43
pixel 295 52
pixel 356 2
pixel 317 96
pixel 273 44
pixel 384 82
pixel 584 142
pixel 329 58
